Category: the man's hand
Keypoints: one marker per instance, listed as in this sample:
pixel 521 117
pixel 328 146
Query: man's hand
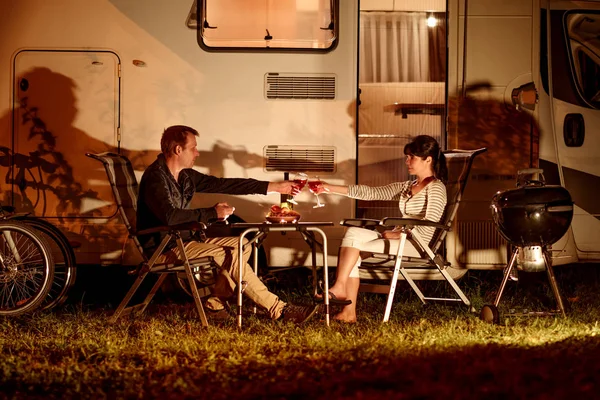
pixel 224 210
pixel 283 187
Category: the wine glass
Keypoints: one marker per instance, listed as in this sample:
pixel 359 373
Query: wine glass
pixel 313 185
pixel 299 180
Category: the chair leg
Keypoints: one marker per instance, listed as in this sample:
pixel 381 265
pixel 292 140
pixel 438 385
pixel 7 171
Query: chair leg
pixel 390 299
pixel 195 294
pixel 128 296
pixel 153 291
pixel 192 283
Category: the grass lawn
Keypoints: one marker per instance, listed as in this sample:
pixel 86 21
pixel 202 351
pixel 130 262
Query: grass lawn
pixel 432 351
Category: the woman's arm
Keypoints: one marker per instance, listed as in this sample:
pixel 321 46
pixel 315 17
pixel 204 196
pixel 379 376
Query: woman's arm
pixel 335 189
pixel 393 191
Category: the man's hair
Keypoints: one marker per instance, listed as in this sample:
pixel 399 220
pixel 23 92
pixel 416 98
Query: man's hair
pixel 173 136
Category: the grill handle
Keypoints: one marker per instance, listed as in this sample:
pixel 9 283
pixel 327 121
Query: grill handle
pixel 530 177
pixel 563 208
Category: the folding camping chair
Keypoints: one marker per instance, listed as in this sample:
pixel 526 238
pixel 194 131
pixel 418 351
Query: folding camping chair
pixel 125 189
pixel 432 264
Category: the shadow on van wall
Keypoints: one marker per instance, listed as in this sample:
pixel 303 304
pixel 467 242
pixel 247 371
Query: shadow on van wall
pixel 479 120
pixel 44 170
pixel 512 139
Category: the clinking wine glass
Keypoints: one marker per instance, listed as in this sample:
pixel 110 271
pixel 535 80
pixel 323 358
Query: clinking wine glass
pixel 299 180
pixel 313 185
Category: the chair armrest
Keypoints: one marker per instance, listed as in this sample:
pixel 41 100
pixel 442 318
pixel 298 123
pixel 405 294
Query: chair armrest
pixel 360 222
pixel 188 226
pixel 391 222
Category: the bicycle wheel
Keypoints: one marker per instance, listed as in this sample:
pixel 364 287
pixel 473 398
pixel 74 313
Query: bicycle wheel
pixel 26 268
pixel 64 260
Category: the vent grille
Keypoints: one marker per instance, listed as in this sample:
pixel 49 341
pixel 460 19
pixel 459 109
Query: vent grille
pixel 299 159
pixel 297 86
pixel 481 243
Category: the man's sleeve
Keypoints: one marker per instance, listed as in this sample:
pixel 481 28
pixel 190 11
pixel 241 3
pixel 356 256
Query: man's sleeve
pixel 163 208
pixel 211 184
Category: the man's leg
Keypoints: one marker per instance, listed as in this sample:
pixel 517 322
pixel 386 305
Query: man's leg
pixel 225 252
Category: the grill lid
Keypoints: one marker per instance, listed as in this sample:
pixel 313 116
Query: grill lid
pixel 533 215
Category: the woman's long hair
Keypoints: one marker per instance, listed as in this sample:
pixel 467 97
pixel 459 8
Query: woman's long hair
pixel 425 146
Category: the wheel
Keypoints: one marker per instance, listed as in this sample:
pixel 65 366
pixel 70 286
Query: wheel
pixel 26 268
pixel 64 261
pixel 489 313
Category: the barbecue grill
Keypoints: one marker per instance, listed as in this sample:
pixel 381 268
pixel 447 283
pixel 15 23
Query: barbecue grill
pixel 530 217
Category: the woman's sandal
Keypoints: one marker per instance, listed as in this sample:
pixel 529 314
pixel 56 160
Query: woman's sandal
pixel 332 300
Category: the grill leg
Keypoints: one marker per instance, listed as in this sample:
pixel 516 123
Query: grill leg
pixel 553 284
pixel 507 270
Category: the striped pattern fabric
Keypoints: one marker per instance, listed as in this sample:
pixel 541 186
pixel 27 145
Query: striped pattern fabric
pixel 124 184
pixel 429 203
pixel 459 164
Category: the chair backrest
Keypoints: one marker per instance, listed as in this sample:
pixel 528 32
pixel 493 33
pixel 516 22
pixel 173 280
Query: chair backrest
pixel 123 184
pixel 459 164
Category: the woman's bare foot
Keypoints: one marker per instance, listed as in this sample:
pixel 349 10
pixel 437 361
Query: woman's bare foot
pixel 339 294
pixel 334 294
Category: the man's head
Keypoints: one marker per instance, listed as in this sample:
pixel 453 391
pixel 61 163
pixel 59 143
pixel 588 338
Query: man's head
pixel 180 141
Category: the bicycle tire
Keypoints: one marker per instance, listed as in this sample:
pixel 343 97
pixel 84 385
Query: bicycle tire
pixel 65 271
pixel 26 268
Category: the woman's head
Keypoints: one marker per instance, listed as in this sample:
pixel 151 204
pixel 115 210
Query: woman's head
pixel 424 146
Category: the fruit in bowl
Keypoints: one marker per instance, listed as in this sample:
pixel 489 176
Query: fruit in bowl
pixel 282 214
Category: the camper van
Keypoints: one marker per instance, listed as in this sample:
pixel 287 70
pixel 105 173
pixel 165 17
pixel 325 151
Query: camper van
pixel 332 88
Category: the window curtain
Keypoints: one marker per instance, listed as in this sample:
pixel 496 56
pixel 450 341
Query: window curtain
pixel 437 49
pixel 394 47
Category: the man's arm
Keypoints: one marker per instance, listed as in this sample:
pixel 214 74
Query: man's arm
pixel 211 184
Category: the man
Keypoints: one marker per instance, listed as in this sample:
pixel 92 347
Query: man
pixel 165 193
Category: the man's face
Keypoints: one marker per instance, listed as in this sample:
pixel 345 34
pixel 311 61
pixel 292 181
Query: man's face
pixel 189 153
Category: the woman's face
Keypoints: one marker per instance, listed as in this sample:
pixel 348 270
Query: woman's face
pixel 418 166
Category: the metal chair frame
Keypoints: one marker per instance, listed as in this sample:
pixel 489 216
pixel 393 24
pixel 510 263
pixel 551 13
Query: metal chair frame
pixel 432 259
pixel 124 186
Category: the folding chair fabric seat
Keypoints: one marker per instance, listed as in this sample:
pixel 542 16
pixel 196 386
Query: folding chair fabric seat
pixel 432 265
pixel 124 185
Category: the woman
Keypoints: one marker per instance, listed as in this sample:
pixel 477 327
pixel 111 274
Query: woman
pixel 423 198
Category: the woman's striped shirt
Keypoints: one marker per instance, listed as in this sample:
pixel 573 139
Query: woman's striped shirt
pixel 428 204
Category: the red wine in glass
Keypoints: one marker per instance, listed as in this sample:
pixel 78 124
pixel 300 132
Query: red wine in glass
pixel 299 180
pixel 313 185
pixel 300 183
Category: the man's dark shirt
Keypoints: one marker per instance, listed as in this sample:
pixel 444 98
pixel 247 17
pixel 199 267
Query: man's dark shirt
pixel 163 201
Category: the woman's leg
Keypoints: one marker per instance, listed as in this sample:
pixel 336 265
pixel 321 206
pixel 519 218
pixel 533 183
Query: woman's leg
pixel 347 259
pixel 348 313
pixel 348 280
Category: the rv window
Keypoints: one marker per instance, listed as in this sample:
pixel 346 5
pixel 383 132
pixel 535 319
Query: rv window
pixel 585 54
pixel 266 24
pixel 402 46
pixel 589 77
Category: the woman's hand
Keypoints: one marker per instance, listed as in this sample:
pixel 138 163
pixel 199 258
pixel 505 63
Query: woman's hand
pixel 320 188
pixel 392 234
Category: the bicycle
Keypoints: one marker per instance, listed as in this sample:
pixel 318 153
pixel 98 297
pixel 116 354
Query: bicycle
pixel 26 268
pixel 62 255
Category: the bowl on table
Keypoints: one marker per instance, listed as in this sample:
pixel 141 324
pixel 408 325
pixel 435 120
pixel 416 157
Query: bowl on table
pixel 281 219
